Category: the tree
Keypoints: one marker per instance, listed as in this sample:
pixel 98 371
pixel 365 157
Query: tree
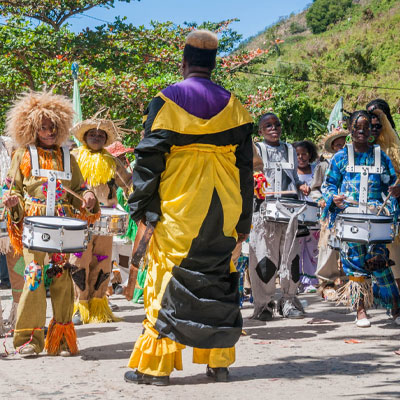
pixel 52 12
pixel 322 13
pixel 121 66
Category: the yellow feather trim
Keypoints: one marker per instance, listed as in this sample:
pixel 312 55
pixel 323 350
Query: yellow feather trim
pixel 100 311
pixel 96 167
pixel 83 308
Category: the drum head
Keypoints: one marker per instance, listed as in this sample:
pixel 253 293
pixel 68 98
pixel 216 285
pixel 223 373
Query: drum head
pixel 376 219
pixel 112 211
pixel 71 224
pixel 286 196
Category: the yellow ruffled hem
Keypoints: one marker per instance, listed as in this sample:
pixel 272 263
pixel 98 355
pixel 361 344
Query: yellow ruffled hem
pixel 83 308
pixel 153 356
pixel 100 312
pixel 215 358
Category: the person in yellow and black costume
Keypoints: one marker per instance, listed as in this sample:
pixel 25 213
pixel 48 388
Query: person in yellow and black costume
pixel 193 179
pixel 39 123
pixel 103 174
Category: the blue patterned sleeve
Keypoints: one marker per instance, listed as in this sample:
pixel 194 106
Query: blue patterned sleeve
pixel 388 177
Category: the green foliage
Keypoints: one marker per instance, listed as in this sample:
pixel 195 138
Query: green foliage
pixel 358 60
pixel 294 71
pixel 295 28
pixel 295 110
pixel 357 52
pixel 122 67
pixel 52 12
pixel 323 13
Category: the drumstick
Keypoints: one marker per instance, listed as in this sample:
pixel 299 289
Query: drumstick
pixel 351 201
pixel 387 197
pixel 70 191
pixel 9 192
pixel 122 179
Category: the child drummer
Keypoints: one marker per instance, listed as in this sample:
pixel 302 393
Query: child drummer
pixel 38 123
pixel 270 241
pixel 103 173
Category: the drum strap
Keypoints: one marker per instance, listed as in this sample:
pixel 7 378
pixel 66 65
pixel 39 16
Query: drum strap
pixel 51 175
pixel 278 166
pixel 364 170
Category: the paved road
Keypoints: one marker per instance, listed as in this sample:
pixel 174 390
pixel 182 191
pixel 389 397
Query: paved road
pixel 282 359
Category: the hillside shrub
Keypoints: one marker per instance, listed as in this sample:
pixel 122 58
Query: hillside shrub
pixel 358 60
pixel 322 13
pixel 295 28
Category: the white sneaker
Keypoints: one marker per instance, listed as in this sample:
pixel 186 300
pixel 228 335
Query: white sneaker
pixel 363 323
pixel 397 320
pixel 27 351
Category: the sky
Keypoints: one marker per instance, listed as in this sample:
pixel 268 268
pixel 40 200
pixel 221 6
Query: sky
pixel 254 15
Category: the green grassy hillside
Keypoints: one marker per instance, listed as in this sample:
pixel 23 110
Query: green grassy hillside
pixel 361 50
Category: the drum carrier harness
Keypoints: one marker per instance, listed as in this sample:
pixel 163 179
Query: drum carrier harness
pixel 364 171
pixel 278 165
pixel 51 175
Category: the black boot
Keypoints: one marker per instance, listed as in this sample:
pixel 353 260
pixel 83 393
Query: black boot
pixel 144 379
pixel 219 374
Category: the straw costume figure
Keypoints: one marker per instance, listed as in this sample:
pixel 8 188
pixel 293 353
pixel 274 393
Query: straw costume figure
pixel 39 123
pixel 15 262
pixel 103 173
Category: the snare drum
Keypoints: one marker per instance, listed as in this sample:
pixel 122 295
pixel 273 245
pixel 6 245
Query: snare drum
pixel 3 225
pixel 112 222
pixel 55 234
pixel 308 217
pixel 334 243
pixel 365 228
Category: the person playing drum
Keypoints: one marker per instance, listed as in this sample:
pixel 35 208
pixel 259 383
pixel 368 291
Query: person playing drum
pixel 38 123
pixel 103 173
pixel 343 188
pixel 267 239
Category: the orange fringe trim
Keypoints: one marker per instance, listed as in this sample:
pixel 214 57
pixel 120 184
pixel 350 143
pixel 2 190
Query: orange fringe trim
pixel 37 209
pixel 86 215
pixel 45 160
pixel 15 233
pixel 60 335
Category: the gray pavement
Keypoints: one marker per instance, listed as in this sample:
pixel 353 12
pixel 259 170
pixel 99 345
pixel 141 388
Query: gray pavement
pixel 281 359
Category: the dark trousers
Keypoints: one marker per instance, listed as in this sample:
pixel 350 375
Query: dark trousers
pixel 4 277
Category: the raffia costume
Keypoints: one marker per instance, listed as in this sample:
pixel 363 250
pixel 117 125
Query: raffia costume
pixel 103 173
pixel 23 122
pixel 194 175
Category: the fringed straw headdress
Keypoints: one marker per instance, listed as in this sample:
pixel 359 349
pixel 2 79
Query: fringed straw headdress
pixel 112 128
pixel 24 119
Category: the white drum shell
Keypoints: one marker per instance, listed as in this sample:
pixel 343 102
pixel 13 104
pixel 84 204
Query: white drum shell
pixel 334 243
pixel 3 226
pixel 112 222
pixel 364 228
pixel 309 216
pixel 55 234
pixel 245 249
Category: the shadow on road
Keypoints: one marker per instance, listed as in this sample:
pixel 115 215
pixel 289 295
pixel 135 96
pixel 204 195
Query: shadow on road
pixel 290 332
pixel 119 351
pixel 83 331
